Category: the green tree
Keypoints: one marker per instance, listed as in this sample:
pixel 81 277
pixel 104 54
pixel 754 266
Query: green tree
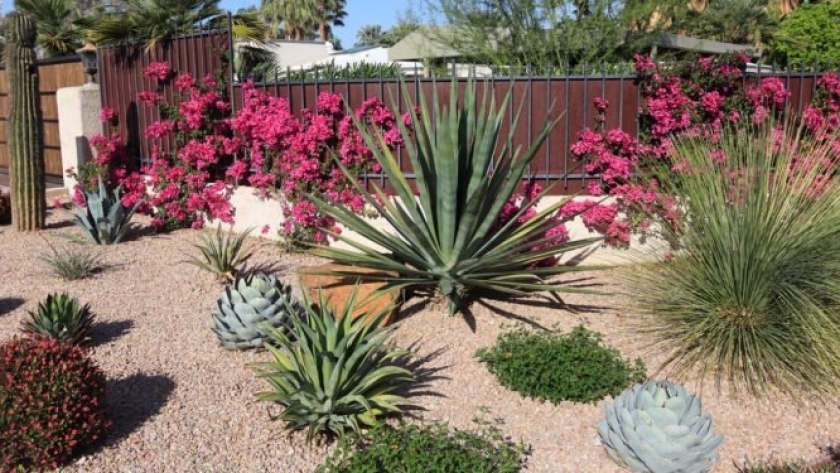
pixel 369 35
pixel 809 35
pixel 296 16
pixel 59 33
pixel 329 13
pixel 405 25
pixel 156 21
pixel 733 21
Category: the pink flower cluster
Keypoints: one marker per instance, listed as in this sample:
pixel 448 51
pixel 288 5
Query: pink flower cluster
pixel 300 156
pixel 822 117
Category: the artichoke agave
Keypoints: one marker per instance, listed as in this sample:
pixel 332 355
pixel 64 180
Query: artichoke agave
pixel 61 317
pixel 339 376
pixel 250 304
pixel 658 427
pixel 104 217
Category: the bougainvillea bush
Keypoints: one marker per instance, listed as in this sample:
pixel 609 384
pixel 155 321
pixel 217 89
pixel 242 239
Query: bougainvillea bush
pixel 52 399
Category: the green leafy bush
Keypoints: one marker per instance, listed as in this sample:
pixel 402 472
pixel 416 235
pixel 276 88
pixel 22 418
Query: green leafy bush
pixel 560 367
pixel 61 317
pixel 433 448
pixel 52 402
pixel 446 234
pixel 751 296
pixel 338 375
pixel 809 35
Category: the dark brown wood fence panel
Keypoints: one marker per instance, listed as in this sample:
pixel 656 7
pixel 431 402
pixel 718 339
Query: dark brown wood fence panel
pixel 54 75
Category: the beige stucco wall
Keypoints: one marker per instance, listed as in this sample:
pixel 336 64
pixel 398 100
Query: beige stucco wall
pixel 78 117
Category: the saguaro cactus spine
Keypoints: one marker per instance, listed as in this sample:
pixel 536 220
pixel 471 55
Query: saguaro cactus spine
pixel 25 134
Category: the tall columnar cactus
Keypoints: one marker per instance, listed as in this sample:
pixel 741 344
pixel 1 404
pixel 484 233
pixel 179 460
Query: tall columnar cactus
pixel 25 137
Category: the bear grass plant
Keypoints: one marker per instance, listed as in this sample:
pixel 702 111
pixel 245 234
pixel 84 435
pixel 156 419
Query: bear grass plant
pixel 557 367
pixel 751 297
pixel 431 448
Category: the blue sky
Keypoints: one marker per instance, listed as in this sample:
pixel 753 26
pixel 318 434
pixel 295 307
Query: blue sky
pixel 359 13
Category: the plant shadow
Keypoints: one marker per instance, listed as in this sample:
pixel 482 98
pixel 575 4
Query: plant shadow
pixel 133 400
pixel 105 332
pixel 424 376
pixel 136 231
pixel 8 304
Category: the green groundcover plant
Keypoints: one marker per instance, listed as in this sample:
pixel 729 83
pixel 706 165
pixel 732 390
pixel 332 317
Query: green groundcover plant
pixel 751 296
pixel 556 367
pixel 433 448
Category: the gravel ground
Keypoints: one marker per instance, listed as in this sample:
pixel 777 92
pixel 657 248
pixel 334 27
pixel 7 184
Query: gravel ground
pixel 179 402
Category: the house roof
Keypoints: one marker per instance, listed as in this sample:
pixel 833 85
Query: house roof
pixel 709 46
pixel 424 43
pixel 356 49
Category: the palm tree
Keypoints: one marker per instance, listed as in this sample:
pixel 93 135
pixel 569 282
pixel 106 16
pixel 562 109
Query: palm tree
pixel 329 13
pixel 733 21
pixel 297 16
pixel 157 21
pixel 58 30
pixel 369 35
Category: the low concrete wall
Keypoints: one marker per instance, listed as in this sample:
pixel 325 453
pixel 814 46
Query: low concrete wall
pixel 78 121
pixel 255 213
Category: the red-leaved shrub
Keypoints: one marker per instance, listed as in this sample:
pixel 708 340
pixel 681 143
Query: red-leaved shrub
pixel 52 399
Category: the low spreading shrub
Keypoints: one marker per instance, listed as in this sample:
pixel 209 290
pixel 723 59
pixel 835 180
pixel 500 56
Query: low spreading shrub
pixel 560 367
pixel 51 403
pixel 827 462
pixel 431 448
pixel 751 296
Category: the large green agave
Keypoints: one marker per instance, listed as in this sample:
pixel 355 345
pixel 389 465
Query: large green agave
pixel 338 376
pixel 658 427
pixel 61 317
pixel 446 235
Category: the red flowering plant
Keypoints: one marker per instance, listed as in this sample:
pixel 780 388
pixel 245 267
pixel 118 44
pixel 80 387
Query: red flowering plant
pixel 185 178
pixel 822 117
pixel 301 156
pixel 52 400
pixel 695 99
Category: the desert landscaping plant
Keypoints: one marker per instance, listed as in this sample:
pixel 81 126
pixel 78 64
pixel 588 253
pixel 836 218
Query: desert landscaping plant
pixel 25 127
pixel 751 296
pixel 222 253
pixel 553 366
pixel 425 448
pixel 448 238
pixel 52 402
pixel 71 262
pixel 61 317
pixel 658 427
pixel 338 374
pixel 104 216
pixel 248 306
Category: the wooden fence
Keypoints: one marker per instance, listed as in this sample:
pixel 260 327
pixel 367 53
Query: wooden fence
pixel 54 74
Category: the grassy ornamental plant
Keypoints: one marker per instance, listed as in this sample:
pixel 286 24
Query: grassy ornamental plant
pixel 560 367
pixel 71 262
pixel 430 448
pixel 751 297
pixel 446 236
pixel 61 317
pixel 222 253
pixel 337 375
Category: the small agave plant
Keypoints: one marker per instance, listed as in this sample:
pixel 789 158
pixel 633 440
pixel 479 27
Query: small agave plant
pixel 61 317
pixel 338 375
pixel 658 427
pixel 249 306
pixel 105 217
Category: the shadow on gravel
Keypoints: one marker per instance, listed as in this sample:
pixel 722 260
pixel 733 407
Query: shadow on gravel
pixel 105 332
pixel 8 304
pixel 424 376
pixel 133 400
